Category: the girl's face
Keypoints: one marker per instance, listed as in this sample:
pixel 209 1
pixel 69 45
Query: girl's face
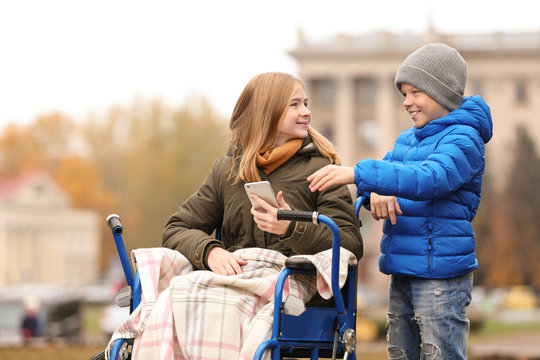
pixel 420 106
pixel 296 121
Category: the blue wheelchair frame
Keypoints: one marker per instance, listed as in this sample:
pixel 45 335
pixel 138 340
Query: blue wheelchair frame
pixel 318 331
pixel 133 282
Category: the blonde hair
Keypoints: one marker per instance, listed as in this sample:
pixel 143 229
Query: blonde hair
pixel 255 121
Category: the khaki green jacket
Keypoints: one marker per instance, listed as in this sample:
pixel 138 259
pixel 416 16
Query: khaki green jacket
pixel 218 202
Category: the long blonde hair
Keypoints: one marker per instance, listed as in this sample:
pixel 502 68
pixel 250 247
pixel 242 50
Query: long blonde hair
pixel 255 121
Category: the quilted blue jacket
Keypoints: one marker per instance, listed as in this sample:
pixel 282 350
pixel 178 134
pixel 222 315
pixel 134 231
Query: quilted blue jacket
pixel 436 174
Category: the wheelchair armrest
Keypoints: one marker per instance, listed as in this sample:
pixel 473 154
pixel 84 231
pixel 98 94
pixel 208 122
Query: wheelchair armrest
pixel 299 264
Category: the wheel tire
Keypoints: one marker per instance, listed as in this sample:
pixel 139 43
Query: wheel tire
pixel 99 356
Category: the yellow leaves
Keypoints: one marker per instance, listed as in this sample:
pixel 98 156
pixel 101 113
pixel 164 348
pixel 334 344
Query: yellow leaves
pixel 84 184
pixel 37 145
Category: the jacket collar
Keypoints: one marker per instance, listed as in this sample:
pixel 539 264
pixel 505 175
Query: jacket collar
pixel 473 112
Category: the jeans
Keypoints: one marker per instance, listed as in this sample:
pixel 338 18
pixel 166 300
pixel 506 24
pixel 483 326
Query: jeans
pixel 427 318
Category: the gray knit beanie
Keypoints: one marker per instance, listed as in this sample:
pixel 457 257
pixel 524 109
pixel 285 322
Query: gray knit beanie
pixel 438 70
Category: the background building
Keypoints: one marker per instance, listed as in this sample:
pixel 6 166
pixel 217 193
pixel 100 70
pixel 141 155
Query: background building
pixel 350 83
pixel 354 100
pixel 43 240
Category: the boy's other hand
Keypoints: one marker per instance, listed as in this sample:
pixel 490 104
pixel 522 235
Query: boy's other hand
pixel 330 175
pixel 384 207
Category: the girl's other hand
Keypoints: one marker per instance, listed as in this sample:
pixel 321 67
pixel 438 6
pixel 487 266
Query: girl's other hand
pixel 223 262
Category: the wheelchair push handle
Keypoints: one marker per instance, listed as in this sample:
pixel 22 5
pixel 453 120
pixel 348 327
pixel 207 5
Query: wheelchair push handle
pixel 295 215
pixel 114 223
pixel 316 218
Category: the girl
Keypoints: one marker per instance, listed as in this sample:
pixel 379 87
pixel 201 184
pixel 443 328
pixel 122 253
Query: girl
pixel 271 140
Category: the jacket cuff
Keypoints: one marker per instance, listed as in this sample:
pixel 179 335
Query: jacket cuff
pixel 201 254
pixel 356 174
pixel 289 231
pixel 299 228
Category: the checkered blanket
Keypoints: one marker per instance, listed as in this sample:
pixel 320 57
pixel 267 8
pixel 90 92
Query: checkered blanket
pixel 187 314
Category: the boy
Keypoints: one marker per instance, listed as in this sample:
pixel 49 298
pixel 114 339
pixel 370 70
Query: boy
pixel 428 187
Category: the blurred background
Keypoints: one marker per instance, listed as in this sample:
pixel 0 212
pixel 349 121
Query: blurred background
pixel 122 107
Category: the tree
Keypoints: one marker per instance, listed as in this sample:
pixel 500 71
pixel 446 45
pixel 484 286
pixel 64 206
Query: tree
pixel 506 226
pixel 154 157
pixel 523 212
pixel 83 182
pixel 484 231
pixel 38 145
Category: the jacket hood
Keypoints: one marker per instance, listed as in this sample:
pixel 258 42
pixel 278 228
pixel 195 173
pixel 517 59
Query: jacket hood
pixel 473 112
pixel 308 147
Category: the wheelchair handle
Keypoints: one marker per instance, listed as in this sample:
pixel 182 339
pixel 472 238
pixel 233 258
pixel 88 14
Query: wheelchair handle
pixel 114 223
pixel 315 217
pixel 295 215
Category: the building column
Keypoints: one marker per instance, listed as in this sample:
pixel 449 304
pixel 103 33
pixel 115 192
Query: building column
pixel 344 124
pixel 385 115
pixel 499 95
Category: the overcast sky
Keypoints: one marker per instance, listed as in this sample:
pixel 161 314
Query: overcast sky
pixel 80 56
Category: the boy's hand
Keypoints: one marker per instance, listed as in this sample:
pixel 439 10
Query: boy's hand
pixel 330 175
pixel 223 262
pixel 384 207
pixel 266 215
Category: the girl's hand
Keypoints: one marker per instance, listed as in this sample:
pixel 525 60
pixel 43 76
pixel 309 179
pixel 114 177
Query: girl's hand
pixel 223 262
pixel 385 207
pixel 265 215
pixel 330 175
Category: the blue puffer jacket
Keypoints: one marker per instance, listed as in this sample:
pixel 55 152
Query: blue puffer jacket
pixel 436 174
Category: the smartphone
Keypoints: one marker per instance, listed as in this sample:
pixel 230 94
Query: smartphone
pixel 262 189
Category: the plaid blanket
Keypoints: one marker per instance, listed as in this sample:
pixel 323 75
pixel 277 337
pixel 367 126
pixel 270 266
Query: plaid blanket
pixel 187 314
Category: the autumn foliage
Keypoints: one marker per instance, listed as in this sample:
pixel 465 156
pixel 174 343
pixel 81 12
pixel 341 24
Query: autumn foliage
pixel 139 161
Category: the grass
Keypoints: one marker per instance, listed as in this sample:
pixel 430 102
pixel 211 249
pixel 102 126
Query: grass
pixel 494 329
pixel 51 352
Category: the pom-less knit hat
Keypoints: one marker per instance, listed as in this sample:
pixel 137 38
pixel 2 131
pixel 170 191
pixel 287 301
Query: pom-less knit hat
pixel 438 70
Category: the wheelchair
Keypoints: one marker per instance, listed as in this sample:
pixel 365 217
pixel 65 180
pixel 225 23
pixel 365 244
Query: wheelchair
pixel 318 332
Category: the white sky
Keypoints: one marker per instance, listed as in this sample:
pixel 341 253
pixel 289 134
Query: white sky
pixel 78 56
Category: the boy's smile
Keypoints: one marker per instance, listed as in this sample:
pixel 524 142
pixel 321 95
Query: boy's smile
pixel 420 106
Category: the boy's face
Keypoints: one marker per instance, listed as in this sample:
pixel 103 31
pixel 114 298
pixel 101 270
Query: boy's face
pixel 420 106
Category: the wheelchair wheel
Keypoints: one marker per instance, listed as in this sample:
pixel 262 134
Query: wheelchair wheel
pixel 99 356
pixel 125 353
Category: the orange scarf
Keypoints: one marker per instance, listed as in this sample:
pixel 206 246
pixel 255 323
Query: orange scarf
pixel 270 160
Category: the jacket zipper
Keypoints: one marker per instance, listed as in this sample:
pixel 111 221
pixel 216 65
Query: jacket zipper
pixel 430 232
pixel 389 247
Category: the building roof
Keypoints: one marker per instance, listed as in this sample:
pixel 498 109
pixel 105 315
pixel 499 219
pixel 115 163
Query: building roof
pixel 32 188
pixel 384 42
pixel 10 185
